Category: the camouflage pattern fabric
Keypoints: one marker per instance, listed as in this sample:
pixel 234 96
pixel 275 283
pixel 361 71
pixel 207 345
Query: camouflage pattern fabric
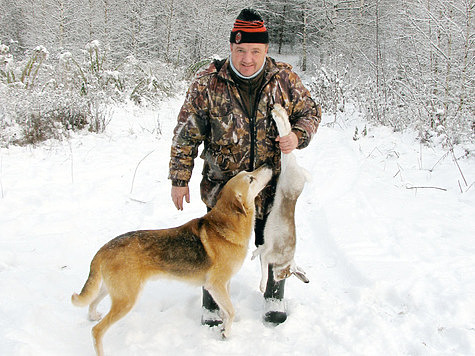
pixel 213 114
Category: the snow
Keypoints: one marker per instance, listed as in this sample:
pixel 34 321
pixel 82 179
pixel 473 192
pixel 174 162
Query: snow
pixel 391 267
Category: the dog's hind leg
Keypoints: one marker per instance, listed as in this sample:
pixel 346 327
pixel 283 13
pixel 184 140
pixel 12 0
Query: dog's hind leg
pixel 221 296
pixel 119 308
pixel 123 295
pixel 93 314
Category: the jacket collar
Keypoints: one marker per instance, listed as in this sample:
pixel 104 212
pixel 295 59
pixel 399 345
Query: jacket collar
pixel 270 70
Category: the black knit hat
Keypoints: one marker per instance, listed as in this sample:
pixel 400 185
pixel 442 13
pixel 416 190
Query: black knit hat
pixel 249 28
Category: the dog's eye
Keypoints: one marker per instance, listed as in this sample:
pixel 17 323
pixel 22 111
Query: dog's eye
pixel 251 179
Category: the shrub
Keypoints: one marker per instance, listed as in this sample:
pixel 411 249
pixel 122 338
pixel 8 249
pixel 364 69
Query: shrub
pixel 43 98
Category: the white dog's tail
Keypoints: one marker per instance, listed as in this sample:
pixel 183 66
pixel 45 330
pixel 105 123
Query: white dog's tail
pixel 91 287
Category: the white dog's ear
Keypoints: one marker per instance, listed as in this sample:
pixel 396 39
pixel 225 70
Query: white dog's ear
pixel 301 275
pixel 238 204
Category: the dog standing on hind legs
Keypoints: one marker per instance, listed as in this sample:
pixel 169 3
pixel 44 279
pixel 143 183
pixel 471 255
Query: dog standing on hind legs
pixel 206 251
pixel 278 249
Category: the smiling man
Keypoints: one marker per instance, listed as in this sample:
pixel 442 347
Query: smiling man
pixel 228 108
pixel 248 59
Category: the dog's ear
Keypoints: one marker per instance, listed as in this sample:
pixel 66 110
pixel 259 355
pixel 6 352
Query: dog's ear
pixel 238 204
pixel 301 276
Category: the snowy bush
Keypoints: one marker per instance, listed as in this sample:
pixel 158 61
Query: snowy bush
pixel 149 83
pixel 43 97
pixel 401 101
pixel 6 59
pixel 412 104
pixel 329 86
pixel 35 116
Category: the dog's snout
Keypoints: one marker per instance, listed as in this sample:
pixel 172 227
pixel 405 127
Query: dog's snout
pixel 263 173
pixel 264 169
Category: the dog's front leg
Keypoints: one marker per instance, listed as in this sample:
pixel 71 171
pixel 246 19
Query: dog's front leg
pixel 261 252
pixel 221 297
pixel 264 273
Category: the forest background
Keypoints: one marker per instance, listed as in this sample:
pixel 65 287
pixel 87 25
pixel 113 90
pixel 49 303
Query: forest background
pixel 404 63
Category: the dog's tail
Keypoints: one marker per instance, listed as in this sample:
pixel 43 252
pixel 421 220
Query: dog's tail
pixel 91 287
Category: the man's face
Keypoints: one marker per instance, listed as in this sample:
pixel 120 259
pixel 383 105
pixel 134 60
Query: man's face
pixel 248 58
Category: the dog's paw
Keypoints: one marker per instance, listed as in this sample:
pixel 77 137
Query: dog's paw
pixel 281 118
pixel 256 252
pixel 224 334
pixel 280 111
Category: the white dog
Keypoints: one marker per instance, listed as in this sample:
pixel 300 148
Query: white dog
pixel 279 233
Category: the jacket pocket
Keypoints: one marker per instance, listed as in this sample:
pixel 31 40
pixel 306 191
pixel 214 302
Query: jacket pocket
pixel 222 161
pixel 222 127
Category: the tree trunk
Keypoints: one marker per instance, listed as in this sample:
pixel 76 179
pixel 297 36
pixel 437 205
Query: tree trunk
pixel 304 39
pixel 282 29
pixel 169 31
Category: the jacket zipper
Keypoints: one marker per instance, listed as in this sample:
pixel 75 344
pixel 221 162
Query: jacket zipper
pixel 252 119
pixel 252 128
pixel 253 123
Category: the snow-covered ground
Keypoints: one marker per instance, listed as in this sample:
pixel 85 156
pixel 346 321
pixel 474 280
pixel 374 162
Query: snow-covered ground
pixel 391 267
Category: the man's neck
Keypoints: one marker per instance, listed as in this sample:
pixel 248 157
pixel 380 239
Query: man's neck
pixel 242 76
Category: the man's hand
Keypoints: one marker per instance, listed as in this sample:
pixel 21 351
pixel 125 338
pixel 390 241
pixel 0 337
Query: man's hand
pixel 177 196
pixel 288 143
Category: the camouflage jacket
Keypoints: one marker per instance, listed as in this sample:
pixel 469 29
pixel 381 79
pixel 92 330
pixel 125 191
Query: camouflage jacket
pixel 213 114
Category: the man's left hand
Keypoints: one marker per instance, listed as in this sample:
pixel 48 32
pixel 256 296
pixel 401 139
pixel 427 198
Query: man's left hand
pixel 288 143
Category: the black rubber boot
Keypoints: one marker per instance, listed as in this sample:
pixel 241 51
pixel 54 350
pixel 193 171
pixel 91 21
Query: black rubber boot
pixel 210 316
pixel 274 296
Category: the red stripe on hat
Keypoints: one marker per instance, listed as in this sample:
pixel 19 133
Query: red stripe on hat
pixel 249 26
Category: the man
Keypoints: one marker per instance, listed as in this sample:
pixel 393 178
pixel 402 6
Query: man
pixel 228 108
